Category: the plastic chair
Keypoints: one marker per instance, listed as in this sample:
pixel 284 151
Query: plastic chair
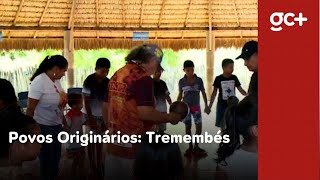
pixel 75 90
pixel 23 100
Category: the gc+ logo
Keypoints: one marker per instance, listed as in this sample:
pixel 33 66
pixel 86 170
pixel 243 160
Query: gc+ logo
pixel 284 18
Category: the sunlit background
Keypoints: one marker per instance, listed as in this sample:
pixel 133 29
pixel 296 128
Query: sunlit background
pixel 18 67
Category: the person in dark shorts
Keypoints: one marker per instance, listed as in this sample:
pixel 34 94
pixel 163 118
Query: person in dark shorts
pixel 95 92
pixel 162 96
pixel 249 54
pixel 226 83
pixel 190 87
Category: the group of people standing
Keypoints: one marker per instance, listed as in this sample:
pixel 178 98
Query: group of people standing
pixel 133 102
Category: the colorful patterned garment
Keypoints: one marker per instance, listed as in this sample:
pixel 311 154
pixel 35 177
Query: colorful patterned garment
pixel 129 88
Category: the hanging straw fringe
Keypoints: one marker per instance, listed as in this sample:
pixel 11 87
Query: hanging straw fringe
pixel 175 44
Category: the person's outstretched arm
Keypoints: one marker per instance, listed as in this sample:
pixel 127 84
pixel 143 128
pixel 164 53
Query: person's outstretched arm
pixel 179 96
pixel 144 97
pixel 168 98
pixel 32 104
pixel 105 112
pixel 238 85
pixel 180 91
pixel 205 99
pixel 213 97
pixel 242 91
pixel 105 109
pixel 204 96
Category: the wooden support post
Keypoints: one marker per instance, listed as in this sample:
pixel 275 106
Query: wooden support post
pixel 97 13
pixel 210 51
pixel 210 62
pixel 17 14
pixel 44 12
pixel 123 14
pixel 68 53
pixel 161 13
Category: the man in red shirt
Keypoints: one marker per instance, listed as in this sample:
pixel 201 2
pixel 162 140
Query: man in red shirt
pixel 131 107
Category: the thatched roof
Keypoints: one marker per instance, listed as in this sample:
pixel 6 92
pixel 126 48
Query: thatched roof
pixel 29 24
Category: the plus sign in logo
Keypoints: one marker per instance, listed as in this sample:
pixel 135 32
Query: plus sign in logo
pixel 289 19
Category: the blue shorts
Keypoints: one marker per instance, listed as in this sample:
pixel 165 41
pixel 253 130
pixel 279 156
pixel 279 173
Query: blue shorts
pixel 196 117
pixel 221 108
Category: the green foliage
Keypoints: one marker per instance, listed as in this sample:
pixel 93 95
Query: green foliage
pixel 170 58
pixel 88 58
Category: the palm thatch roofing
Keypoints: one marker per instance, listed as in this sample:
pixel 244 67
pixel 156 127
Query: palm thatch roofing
pixel 176 24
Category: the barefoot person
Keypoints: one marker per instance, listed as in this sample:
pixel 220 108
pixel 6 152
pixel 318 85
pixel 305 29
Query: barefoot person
pixel 131 108
pixel 95 91
pixel 226 83
pixel 190 87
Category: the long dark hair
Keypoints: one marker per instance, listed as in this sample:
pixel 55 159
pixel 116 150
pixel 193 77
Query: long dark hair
pixel 139 54
pixel 7 92
pixel 239 118
pixel 12 119
pixel 48 63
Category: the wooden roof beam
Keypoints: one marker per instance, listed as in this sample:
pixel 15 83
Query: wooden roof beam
pixel 117 38
pixel 71 18
pixel 188 12
pixel 17 15
pixel 141 13
pixel 123 14
pixel 44 12
pixel 236 12
pixel 45 28
pixel 161 13
pixel 97 12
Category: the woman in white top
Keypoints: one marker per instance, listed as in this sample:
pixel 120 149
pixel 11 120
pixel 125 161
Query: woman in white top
pixel 238 161
pixel 46 101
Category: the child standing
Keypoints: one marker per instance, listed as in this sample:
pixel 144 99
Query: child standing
pixel 75 119
pixel 161 94
pixel 226 83
pixel 189 88
pixel 95 90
